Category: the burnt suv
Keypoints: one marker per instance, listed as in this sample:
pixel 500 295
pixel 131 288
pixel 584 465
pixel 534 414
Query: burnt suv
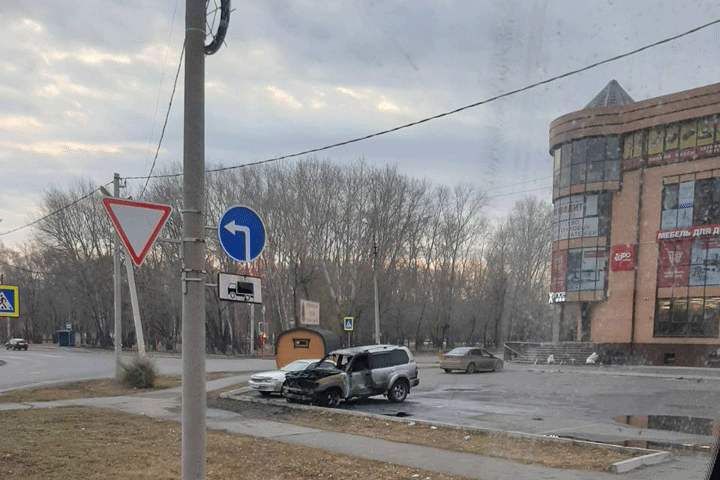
pixel 359 372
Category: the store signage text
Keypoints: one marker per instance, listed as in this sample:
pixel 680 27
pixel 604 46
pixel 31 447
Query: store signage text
pixel 622 258
pixel 692 232
pixel 556 297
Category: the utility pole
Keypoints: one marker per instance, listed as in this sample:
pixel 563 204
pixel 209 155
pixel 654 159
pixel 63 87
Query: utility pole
pixel 193 306
pixel 377 305
pixel 118 291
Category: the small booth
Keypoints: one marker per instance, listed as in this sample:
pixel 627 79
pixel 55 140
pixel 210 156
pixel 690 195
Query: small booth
pixel 66 338
pixel 304 342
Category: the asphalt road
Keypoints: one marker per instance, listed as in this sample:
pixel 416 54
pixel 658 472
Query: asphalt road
pixel 47 364
pixel 579 402
pixel 664 406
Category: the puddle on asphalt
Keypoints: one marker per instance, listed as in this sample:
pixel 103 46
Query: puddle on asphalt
pixel 673 423
pixel 398 414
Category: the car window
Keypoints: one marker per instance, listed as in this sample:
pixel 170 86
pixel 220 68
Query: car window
pixel 381 360
pixel 399 357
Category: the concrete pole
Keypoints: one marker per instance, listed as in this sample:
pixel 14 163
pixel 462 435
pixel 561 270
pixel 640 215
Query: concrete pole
pixel 377 304
pixel 252 329
pixel 139 336
pixel 118 290
pixel 193 311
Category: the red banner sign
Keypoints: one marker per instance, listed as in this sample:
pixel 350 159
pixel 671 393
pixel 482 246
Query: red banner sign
pixel 622 258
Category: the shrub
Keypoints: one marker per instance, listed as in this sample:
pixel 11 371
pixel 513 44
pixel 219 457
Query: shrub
pixel 140 373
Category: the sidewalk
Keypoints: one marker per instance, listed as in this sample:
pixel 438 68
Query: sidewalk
pixel 167 405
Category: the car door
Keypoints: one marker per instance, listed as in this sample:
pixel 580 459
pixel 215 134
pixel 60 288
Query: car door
pixel 360 377
pixel 487 361
pixel 383 371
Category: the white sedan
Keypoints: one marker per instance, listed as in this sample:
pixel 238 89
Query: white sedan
pixel 274 381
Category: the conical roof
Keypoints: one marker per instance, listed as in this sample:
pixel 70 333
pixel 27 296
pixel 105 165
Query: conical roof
pixel 612 95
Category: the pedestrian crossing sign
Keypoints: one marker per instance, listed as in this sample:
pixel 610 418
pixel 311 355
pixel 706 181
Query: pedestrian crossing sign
pixel 349 321
pixel 9 301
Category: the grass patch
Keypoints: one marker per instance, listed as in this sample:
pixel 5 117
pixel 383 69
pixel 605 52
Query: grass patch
pixel 83 443
pixel 105 387
pixel 524 450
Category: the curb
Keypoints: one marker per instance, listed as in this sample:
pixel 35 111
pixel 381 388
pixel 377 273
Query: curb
pixel 645 460
pixel 650 457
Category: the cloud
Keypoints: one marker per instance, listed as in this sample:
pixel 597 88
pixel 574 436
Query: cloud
pixel 26 25
pixel 19 122
pixel 283 98
pixel 386 106
pixel 66 147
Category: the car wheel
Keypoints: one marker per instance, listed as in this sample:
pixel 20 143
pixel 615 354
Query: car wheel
pixel 470 368
pixel 329 398
pixel 283 388
pixel 497 366
pixel 447 370
pixel 398 392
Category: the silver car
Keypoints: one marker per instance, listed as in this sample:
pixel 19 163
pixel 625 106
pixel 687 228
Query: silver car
pixel 360 372
pixel 274 381
pixel 470 360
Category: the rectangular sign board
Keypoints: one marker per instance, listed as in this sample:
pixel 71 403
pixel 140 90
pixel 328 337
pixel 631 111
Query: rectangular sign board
pixel 9 302
pixel 309 312
pixel 239 288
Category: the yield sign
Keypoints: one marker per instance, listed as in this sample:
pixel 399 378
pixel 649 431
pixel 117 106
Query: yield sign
pixel 137 223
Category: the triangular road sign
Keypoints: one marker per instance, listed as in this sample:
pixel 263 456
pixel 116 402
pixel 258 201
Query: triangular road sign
pixel 137 223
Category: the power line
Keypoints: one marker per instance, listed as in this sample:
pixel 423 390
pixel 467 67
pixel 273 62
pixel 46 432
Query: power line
pixel 162 78
pixel 167 116
pixel 407 125
pixel 27 270
pixel 457 110
pixel 518 183
pixel 518 193
pixel 54 212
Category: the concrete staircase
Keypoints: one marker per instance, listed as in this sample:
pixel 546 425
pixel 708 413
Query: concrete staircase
pixel 564 353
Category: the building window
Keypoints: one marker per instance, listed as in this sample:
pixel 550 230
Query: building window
pixel 691 203
pixel 586 269
pixel 688 317
pixel 580 216
pixel 588 160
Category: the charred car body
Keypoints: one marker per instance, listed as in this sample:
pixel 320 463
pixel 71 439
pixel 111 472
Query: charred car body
pixel 360 372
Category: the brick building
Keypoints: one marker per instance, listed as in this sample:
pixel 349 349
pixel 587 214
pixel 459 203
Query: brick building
pixel 636 242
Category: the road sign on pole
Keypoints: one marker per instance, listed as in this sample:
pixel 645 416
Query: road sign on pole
pixel 241 233
pixel 9 302
pixel 309 312
pixel 239 288
pixel 349 324
pixel 138 224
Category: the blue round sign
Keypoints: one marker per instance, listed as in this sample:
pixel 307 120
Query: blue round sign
pixel 241 233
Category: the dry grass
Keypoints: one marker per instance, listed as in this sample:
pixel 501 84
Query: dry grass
pixel 541 452
pixel 81 443
pixel 91 388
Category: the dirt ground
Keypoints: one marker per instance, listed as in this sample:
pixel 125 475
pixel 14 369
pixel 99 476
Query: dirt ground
pixel 540 452
pixel 105 387
pixel 83 443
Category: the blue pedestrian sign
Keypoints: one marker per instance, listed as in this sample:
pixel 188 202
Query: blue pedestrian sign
pixel 241 233
pixel 9 302
pixel 349 324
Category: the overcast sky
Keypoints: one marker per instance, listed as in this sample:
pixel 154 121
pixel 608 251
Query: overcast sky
pixel 84 85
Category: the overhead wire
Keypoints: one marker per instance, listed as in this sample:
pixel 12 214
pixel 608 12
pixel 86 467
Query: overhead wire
pixel 55 212
pixel 411 124
pixel 457 110
pixel 162 78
